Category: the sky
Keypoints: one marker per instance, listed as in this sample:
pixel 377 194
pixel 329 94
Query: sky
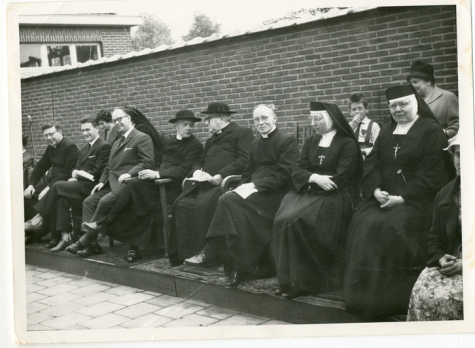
pixel 178 14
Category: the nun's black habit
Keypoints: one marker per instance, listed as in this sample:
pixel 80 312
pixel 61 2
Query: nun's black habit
pixel 309 230
pixel 387 248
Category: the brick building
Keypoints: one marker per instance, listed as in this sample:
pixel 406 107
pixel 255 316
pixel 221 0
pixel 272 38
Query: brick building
pixel 49 42
pixel 353 50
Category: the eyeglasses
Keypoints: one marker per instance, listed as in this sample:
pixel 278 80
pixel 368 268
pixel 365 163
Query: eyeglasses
pixel 402 104
pixel 119 119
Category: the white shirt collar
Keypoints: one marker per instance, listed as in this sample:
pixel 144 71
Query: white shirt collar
pixel 24 151
pixel 402 129
pixel 365 120
pixel 327 138
pixel 92 142
pixel 179 137
pixel 265 136
pixel 126 134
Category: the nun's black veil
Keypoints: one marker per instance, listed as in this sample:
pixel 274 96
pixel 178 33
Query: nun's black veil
pixel 143 125
pixel 343 128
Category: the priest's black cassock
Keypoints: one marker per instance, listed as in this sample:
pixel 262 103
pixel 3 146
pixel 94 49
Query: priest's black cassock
pixel 225 154
pixel 310 228
pixel 387 248
pixel 135 217
pixel 247 223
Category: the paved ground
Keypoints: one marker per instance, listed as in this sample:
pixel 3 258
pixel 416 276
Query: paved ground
pixel 61 301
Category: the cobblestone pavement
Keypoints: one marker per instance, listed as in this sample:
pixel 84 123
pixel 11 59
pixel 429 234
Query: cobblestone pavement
pixel 61 301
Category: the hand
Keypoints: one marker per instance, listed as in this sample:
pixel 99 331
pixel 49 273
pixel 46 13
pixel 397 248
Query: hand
pixel 381 196
pixel 74 174
pixel 29 192
pixel 97 188
pixel 392 202
pixel 72 179
pixel 216 180
pixel 148 174
pixel 450 265
pixel 357 119
pixel 123 177
pixel 42 193
pixel 323 181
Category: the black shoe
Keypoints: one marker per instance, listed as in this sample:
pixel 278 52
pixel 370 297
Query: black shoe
pixel 133 256
pixel 89 250
pixel 52 243
pixel 279 292
pixel 234 280
pixel 74 248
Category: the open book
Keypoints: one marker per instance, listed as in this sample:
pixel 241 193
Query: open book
pixel 84 175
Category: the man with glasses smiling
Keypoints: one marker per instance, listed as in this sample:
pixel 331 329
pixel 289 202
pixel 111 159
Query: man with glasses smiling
pixel 61 156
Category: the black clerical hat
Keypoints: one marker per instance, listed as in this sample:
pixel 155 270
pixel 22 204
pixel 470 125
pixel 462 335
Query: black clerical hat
pixel 218 108
pixel 185 115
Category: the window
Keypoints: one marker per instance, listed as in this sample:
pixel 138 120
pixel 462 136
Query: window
pixel 55 55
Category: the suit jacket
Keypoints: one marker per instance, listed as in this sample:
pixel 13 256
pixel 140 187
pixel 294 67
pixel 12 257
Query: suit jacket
pixel 61 159
pixel 445 106
pixel 131 156
pixel 94 159
pixel 445 234
pixel 226 153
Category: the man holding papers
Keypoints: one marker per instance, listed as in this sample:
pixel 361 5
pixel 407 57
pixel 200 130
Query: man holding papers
pixel 54 207
pixel 226 153
pixel 241 228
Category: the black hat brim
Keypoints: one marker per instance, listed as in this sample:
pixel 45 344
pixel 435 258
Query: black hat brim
pixel 194 119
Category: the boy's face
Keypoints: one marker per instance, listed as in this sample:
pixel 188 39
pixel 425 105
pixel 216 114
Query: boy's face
pixel 358 109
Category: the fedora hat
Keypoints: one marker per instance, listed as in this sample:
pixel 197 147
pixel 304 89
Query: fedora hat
pixel 218 108
pixel 185 115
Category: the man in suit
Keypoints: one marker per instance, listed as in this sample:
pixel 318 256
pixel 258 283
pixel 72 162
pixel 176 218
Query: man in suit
pixel 59 158
pixel 129 155
pixel 54 207
pixel 226 153
pixel 109 131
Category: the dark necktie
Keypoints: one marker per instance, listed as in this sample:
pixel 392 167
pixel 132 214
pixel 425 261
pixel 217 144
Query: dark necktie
pixel 122 139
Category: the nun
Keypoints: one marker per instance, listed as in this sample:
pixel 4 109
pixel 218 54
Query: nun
pixel 387 246
pixel 309 230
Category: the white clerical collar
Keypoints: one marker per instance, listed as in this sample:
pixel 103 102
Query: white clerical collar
pixel 92 142
pixel 402 129
pixel 327 138
pixel 265 136
pixel 126 134
pixel 179 137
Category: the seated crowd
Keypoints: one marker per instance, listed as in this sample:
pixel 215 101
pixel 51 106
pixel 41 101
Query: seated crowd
pixel 373 210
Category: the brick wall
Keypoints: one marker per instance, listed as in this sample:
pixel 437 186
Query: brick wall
pixel 324 60
pixel 114 40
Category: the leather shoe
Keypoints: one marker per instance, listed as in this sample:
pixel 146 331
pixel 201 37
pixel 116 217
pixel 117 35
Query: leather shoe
pixel 52 243
pixel 133 256
pixel 234 280
pixel 293 294
pixel 278 292
pixel 89 250
pixel 201 259
pixel 61 245
pixel 74 248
